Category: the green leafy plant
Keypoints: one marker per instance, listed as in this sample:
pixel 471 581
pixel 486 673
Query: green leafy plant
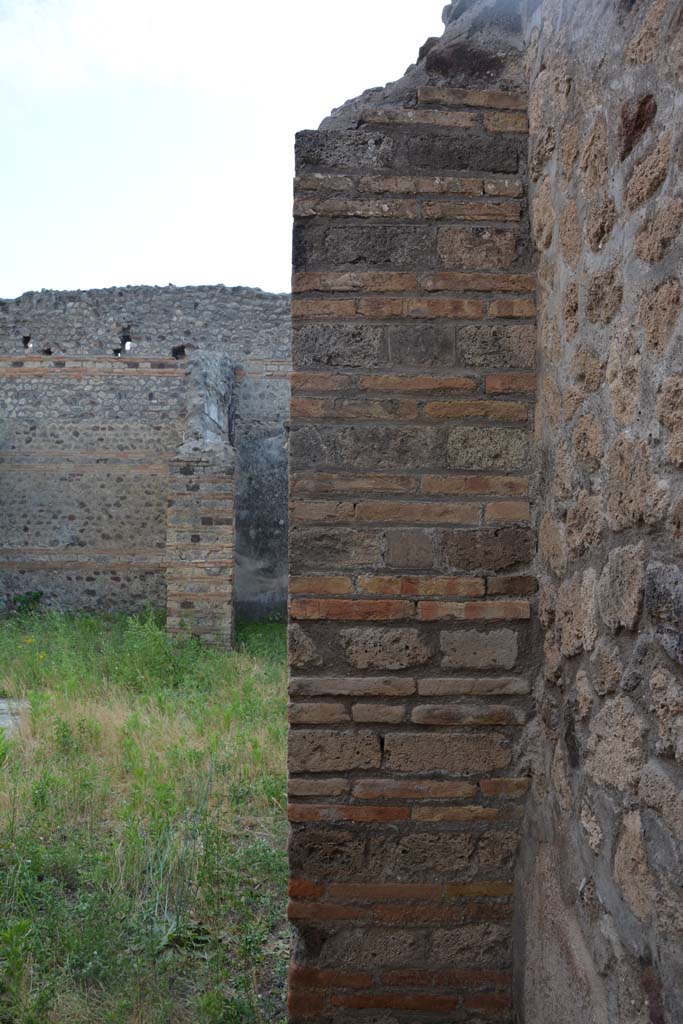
pixel 23 604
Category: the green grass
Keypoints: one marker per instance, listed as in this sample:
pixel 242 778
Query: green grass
pixel 142 825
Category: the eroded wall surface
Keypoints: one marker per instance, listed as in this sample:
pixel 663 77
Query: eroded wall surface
pixel 601 886
pixel 411 637
pixel 85 445
pixel 253 329
pixel 116 486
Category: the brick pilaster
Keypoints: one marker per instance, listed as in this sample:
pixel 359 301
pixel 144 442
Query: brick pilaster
pixel 410 547
pixel 200 544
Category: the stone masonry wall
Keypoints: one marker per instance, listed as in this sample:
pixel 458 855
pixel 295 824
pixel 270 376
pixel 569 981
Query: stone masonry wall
pixel 411 636
pixel 87 448
pixel 601 878
pixel 84 450
pixel 253 329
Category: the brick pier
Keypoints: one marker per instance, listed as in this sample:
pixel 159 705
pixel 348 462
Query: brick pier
pixel 410 544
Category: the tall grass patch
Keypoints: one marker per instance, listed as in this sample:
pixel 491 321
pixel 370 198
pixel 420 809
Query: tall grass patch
pixel 142 825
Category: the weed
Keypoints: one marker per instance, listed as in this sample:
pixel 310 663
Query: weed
pixel 142 832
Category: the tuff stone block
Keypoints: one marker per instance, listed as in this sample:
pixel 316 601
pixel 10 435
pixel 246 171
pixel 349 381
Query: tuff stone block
pixel 473 649
pixel 323 750
pixel 438 752
pixel 486 548
pixel 385 649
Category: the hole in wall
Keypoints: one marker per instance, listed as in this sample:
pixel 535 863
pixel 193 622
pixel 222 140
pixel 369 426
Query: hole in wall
pixel 117 352
pixel 126 341
pixel 47 351
pixel 26 342
pixel 178 352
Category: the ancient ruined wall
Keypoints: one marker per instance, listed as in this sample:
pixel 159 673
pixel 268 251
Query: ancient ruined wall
pixel 89 448
pixel 84 451
pixel 411 639
pixel 601 885
pixel 252 328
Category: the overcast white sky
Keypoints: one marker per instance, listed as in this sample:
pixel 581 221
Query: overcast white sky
pixel 150 141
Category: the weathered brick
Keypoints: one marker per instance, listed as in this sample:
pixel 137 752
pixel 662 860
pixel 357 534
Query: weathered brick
pixel 404 209
pixel 499 686
pixel 407 1001
pixel 431 308
pixel 323 183
pixel 421 586
pixel 353 281
pixel 301 512
pixel 510 383
pixel 494 98
pixel 489 210
pixel 390 714
pixel 361 686
pixel 457 979
pixel 350 610
pixel 304 889
pixel 511 585
pixel 316 483
pixel 353 409
pixel 305 1003
pixel 450 281
pixel 467 714
pixel 308 978
pixel 411 382
pixel 506 122
pixel 511 412
pixel 411 185
pixel 412 789
pixel 476 812
pixel 322 585
pixel 426 512
pixel 340 309
pixel 317 787
pixel 346 812
pixel 324 750
pixel 470 754
pixel 472 611
pixel 465 484
pixel 412 116
pixel 318 714
pixel 319 381
pixel 512 308
pixel 507 512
